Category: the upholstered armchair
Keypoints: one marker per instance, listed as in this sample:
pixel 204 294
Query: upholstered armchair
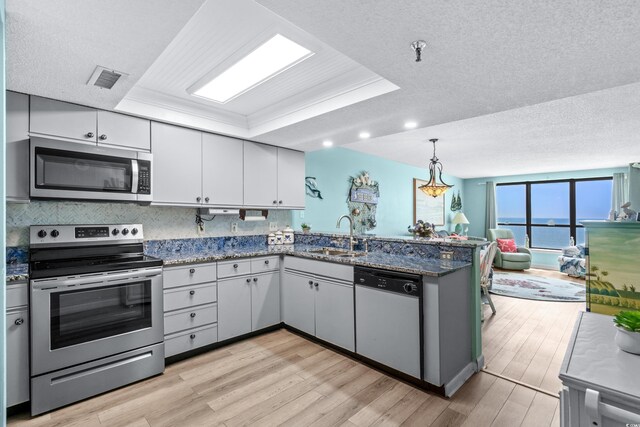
pixel 519 260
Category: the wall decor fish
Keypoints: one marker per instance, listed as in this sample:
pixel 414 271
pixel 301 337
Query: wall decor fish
pixel 311 187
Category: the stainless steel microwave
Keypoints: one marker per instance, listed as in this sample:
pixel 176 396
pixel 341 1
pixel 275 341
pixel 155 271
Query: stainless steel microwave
pixel 69 170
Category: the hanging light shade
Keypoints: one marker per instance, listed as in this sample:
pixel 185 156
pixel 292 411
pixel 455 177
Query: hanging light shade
pixel 435 186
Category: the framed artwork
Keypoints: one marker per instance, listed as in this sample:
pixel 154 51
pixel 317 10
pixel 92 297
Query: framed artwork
pixel 425 207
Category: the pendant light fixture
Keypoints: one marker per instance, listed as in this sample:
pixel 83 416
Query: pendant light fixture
pixel 434 188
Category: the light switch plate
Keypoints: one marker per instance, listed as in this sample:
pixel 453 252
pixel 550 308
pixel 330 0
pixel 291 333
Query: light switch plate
pixel 234 227
pixel 273 226
pixel 302 215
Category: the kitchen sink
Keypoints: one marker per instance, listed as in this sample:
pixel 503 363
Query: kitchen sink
pixel 337 252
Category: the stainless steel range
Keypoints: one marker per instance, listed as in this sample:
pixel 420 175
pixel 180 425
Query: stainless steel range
pixel 96 312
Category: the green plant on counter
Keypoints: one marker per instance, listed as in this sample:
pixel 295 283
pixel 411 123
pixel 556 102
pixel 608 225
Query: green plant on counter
pixel 628 320
pixel 305 226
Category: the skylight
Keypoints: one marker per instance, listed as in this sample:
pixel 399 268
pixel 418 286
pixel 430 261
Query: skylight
pixel 270 59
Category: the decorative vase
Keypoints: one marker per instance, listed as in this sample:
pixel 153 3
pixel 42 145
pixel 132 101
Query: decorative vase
pixel 628 341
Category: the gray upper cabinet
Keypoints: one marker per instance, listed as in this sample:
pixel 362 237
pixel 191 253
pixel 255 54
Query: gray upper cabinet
pixel 222 170
pixel 291 174
pixel 176 175
pixel 64 120
pixel 17 160
pixel 124 131
pixel 260 175
pixel 76 122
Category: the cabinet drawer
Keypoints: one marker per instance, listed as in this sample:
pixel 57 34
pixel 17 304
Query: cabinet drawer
pixel 188 275
pixel 17 294
pixel 189 340
pixel 234 268
pixel 262 264
pixel 190 318
pixel 189 296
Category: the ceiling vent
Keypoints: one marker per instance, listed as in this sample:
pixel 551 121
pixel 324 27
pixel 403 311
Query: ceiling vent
pixel 105 78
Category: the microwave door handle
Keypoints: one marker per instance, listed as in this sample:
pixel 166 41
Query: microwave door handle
pixel 134 176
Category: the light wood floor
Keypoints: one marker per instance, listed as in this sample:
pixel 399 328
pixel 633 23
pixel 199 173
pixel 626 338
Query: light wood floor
pixel 282 379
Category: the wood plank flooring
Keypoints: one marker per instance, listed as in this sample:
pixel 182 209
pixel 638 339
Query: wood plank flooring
pixel 282 379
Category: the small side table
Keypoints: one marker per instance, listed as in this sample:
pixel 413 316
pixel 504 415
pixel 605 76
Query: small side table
pixel 600 382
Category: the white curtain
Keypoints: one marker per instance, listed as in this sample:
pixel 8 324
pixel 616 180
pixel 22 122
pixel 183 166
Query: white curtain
pixel 620 192
pixel 491 219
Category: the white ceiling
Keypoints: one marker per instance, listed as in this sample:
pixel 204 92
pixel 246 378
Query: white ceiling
pixel 508 87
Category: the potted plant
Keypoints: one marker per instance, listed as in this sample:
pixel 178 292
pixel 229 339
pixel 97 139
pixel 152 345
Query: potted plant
pixel 305 228
pixel 628 335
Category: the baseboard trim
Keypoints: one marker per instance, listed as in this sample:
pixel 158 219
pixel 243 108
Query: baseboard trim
pixel 458 381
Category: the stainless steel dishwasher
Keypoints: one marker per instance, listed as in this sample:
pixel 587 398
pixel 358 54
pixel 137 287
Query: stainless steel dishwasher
pixel 389 319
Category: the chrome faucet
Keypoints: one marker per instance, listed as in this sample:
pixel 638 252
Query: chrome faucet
pixel 350 229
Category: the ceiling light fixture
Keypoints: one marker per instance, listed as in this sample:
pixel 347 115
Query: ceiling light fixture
pixel 434 188
pixel 364 135
pixel 410 125
pixel 417 46
pixel 327 143
pixel 266 61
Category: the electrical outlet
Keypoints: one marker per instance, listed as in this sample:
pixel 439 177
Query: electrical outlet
pixel 301 214
pixel 446 256
pixel 234 227
pixel 273 226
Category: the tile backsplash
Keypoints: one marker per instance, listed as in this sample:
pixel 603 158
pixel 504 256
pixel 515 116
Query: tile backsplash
pixel 160 222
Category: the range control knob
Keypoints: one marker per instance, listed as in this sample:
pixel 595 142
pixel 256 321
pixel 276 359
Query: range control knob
pixel 134 231
pixel 55 233
pixel 125 231
pixel 115 232
pixel 409 288
pixel 42 234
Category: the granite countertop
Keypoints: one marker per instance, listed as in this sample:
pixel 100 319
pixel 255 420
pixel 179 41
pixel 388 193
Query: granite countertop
pixel 403 263
pixel 16 272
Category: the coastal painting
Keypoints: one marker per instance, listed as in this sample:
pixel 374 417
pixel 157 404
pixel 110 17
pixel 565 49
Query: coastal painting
pixel 613 279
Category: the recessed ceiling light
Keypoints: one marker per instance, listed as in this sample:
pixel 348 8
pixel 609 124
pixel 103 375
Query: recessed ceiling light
pixel 410 125
pixel 268 60
pixel 364 135
pixel 327 143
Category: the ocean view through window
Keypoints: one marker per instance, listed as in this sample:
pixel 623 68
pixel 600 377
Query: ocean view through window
pixel 549 212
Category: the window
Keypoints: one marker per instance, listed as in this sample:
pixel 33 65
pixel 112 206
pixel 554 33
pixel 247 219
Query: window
pixel 549 212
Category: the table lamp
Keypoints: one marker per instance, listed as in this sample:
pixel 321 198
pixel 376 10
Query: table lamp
pixel 459 219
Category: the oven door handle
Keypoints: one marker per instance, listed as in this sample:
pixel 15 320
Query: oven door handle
pixel 96 281
pixel 135 171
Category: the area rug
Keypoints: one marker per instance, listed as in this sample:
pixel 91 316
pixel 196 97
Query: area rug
pixel 536 287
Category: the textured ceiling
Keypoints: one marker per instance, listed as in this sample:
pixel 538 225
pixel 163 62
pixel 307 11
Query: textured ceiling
pixel 481 58
pixel 53 46
pixel 596 130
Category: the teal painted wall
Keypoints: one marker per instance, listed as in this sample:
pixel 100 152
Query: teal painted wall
pixel 332 169
pixel 475 198
pixel 3 386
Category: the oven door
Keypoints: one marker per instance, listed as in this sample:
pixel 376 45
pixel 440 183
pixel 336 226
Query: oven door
pixel 61 169
pixel 79 319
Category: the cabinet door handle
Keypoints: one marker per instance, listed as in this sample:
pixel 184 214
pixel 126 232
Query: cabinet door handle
pixel 103 137
pixel 255 279
pixel 248 280
pixel 311 282
pixel 198 199
pixel 266 262
pixel 192 336
pixel 206 199
pixel 275 202
pixel 235 265
pixel 315 284
pixel 193 315
pixel 280 202
pixel 192 270
pixel 192 292
pixel 19 321
pixel 89 135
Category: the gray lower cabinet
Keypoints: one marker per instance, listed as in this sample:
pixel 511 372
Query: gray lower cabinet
pixel 17 163
pixel 190 307
pixel 17 337
pixel 248 295
pixel 318 305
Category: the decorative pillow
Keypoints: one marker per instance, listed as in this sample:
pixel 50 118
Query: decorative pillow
pixel 507 245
